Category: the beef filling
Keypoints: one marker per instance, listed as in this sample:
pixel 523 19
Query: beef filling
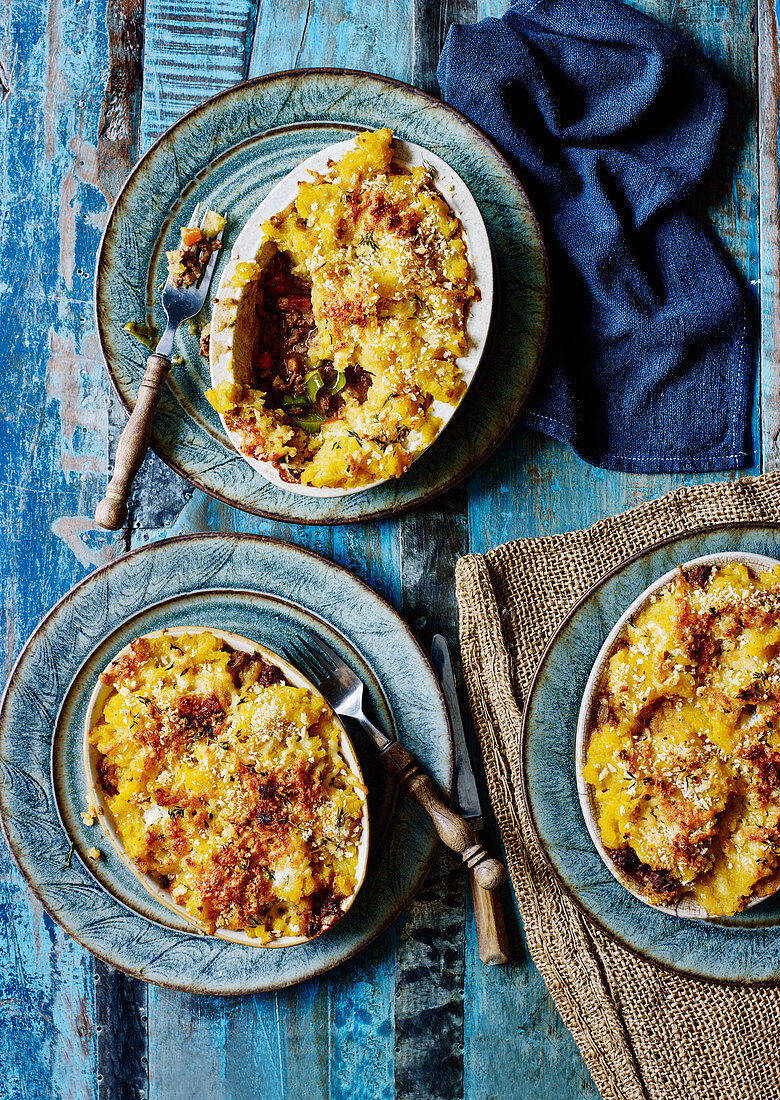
pixel 286 326
pixel 279 361
pixel 661 884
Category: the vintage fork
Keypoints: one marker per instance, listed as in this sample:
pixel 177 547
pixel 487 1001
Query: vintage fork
pixel 179 303
pixel 344 691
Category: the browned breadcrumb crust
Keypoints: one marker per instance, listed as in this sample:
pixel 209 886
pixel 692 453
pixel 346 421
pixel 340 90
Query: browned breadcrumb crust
pixel 268 807
pixel 706 803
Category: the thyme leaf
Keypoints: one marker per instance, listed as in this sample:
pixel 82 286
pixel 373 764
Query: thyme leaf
pixel 368 238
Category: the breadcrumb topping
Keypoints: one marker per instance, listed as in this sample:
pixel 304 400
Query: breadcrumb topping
pixel 684 750
pixel 228 787
pixel 385 287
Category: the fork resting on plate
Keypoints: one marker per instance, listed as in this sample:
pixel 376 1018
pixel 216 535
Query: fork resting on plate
pixel 180 304
pixel 344 691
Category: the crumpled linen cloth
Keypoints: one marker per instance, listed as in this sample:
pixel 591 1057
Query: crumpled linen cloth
pixel 612 122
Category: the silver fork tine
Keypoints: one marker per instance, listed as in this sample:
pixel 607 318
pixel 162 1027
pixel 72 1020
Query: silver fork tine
pixel 195 219
pixel 303 662
pixel 315 662
pixel 326 652
pixel 291 653
pixel 316 654
pixel 206 276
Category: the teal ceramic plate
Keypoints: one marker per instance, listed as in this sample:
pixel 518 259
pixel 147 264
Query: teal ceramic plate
pixel 230 152
pixel 264 590
pixel 744 948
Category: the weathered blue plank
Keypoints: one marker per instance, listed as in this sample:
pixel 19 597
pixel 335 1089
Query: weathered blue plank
pixel 187 1045
pixel 194 49
pixel 324 1038
pixel 528 1051
pixel 60 69
pixel 376 36
pixel 769 228
pixel 361 997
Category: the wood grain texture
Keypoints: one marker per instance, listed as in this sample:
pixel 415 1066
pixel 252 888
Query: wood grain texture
pixel 117 149
pixel 196 48
pixel 328 1037
pixel 133 444
pixel 372 35
pixel 432 20
pixel 67 94
pixel 489 924
pixel 120 1027
pixel 452 829
pixel 430 991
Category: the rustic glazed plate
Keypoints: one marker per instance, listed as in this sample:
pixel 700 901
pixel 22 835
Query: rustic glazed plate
pixel 230 152
pixel 252 238
pixel 261 589
pixel 95 796
pixel 744 948
pixel 685 906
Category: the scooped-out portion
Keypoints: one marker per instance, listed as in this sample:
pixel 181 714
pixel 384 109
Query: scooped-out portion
pixel 336 350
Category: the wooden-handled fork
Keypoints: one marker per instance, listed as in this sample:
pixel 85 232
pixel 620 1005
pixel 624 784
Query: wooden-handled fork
pixel 344 691
pixel 179 303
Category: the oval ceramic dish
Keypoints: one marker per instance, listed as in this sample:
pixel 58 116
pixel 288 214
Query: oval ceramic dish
pixel 460 200
pixel 257 588
pixel 744 948
pixel 94 710
pixel 230 153
pixel 685 906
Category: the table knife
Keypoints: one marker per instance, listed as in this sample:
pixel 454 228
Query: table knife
pixel 488 916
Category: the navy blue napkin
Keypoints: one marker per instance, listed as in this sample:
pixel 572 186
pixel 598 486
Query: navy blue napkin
pixel 611 122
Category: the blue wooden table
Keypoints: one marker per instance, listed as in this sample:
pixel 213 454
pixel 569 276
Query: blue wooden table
pixel 85 86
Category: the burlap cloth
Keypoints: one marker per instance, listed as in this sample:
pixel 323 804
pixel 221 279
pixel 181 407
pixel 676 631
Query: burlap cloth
pixel 643 1031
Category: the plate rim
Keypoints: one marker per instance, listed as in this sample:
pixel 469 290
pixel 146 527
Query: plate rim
pixel 317 971
pixel 469 467
pixel 704 529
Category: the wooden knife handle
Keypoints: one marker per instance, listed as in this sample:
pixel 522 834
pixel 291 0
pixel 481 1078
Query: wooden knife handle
pixel 489 920
pixel 111 513
pixel 456 832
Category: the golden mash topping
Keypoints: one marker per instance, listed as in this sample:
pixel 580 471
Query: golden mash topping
pixel 684 751
pixel 348 327
pixel 228 786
